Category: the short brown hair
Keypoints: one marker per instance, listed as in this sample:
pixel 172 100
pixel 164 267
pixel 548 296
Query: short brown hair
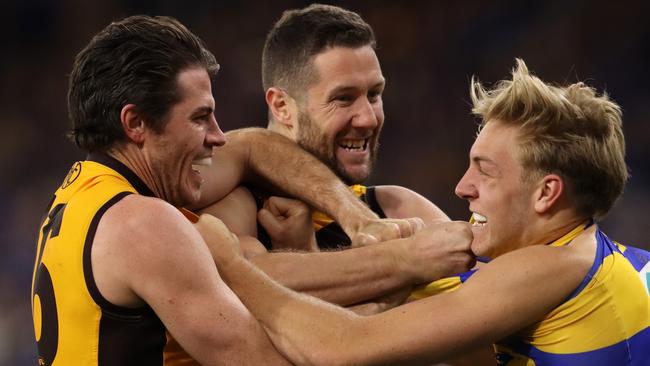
pixel 566 130
pixel 301 34
pixel 132 61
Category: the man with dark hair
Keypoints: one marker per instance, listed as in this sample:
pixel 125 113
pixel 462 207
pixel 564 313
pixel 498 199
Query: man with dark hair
pixel 117 262
pixel 323 88
pixel 370 278
pixel 557 292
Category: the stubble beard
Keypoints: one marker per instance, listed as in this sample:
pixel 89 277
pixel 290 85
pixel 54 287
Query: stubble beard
pixel 311 139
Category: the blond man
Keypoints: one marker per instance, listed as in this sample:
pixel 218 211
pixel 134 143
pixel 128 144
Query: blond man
pixel 547 164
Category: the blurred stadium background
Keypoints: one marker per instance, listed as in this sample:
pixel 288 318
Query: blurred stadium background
pixel 428 51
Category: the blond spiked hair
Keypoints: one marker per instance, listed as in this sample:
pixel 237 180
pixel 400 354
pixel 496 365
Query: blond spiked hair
pixel 566 130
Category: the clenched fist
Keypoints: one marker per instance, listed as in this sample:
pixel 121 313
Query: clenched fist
pixel 441 249
pixel 288 222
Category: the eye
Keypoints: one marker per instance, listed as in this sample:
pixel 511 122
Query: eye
pixel 374 95
pixel 202 118
pixel 344 98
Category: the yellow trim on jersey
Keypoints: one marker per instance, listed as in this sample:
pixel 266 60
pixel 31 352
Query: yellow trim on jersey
pixel 442 285
pixel 321 220
pixel 566 238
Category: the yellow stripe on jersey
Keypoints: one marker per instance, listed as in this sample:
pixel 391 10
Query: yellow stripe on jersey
pixel 442 285
pixel 321 220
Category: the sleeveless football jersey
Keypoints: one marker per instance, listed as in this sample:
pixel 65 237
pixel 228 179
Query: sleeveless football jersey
pixel 604 322
pixel 73 323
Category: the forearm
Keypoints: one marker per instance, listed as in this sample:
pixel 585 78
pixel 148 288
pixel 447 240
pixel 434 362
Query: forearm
pixel 304 329
pixel 342 277
pixel 285 165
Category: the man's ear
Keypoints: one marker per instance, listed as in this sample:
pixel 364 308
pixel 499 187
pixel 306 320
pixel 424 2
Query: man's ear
pixel 133 123
pixel 283 108
pixel 548 192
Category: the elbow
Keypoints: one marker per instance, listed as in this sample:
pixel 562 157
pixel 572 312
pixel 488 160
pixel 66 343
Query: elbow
pixel 325 351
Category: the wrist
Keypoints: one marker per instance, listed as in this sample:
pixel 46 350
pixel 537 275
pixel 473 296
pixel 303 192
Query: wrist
pixel 357 218
pixel 397 253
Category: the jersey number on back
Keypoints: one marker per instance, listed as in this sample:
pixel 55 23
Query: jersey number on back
pixel 46 327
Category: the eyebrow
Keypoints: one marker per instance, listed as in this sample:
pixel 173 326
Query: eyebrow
pixel 481 161
pixel 349 88
pixel 202 110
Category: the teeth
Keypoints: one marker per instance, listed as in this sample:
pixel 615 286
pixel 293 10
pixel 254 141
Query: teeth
pixel 354 144
pixel 201 162
pixel 478 219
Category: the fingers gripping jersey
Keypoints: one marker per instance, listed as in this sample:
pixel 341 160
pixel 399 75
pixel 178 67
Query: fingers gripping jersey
pixel 73 323
pixel 604 322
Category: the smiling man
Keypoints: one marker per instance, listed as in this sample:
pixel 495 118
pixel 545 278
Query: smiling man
pixel 547 164
pixel 118 265
pixel 324 86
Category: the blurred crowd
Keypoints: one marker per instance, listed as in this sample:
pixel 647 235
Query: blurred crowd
pixel 428 50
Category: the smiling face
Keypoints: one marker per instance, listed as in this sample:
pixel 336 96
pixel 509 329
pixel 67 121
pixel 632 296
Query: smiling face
pixel 342 115
pixel 500 199
pixel 186 142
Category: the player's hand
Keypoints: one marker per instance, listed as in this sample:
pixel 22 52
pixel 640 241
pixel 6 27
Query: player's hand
pixel 288 222
pixel 223 244
pixel 387 229
pixel 440 249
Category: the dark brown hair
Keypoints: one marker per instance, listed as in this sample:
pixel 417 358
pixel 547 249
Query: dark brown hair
pixel 301 34
pixel 132 61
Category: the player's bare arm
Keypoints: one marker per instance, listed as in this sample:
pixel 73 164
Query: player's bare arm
pixel 145 251
pixel 359 274
pixel 254 153
pixel 401 203
pixel 514 290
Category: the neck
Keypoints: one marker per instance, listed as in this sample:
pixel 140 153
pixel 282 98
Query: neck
pixel 546 231
pixel 131 156
pixel 281 128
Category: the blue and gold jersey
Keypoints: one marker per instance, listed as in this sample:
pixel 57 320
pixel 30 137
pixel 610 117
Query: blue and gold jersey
pixel 73 323
pixel 604 322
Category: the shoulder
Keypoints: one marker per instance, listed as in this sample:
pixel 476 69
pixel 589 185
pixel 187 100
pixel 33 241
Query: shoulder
pixel 400 202
pixel 135 212
pixel 552 271
pixel 144 244
pixel 138 224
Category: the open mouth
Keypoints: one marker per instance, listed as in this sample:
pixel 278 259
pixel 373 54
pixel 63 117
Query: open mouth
pixel 478 219
pixel 207 161
pixel 354 144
